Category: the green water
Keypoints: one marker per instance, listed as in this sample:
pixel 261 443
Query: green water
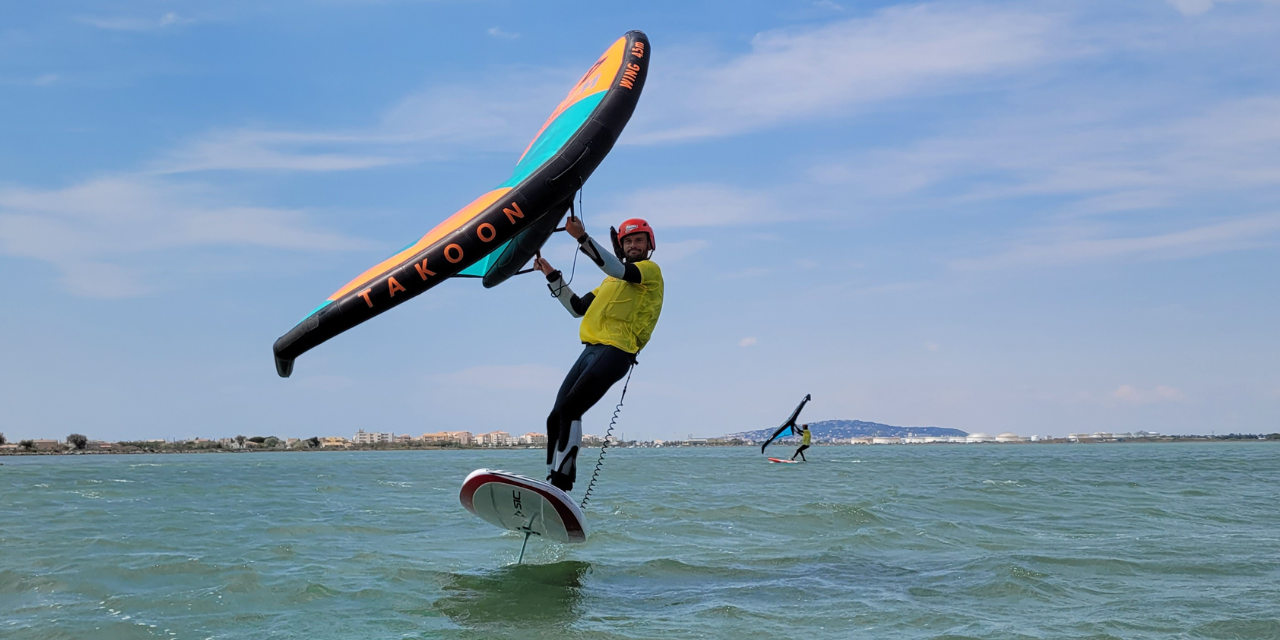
pixel 980 541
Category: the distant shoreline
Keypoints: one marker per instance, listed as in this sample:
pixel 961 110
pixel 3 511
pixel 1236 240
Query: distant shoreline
pixel 178 448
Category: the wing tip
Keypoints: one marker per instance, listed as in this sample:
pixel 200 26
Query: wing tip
pixel 284 366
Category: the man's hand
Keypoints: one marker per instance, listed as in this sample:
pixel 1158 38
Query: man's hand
pixel 542 265
pixel 574 226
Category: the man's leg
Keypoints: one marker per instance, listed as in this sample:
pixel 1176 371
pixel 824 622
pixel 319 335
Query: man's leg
pixel 606 366
pixel 555 419
pixel 801 452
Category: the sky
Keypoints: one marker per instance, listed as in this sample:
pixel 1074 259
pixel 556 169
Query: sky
pixel 1023 216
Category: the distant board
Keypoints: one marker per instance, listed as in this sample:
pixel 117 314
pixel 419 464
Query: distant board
pixel 518 503
pixel 784 461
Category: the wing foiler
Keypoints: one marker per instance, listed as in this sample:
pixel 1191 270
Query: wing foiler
pixel 788 428
pixel 498 233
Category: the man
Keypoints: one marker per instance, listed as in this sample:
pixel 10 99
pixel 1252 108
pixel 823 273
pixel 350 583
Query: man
pixel 804 443
pixel 617 319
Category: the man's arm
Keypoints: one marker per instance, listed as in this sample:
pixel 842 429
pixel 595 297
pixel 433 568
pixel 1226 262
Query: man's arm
pixel 577 307
pixel 608 263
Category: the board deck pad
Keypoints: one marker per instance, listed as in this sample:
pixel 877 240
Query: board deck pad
pixel 784 461
pixel 519 503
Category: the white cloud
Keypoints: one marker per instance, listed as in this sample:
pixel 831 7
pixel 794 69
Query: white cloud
pixel 1133 395
pixel 1197 7
pixel 748 342
pixel 932 346
pixel 501 113
pixel 1081 162
pixel 119 23
pixel 1230 235
pixel 792 75
pixel 1192 7
pixel 46 80
pixel 86 230
pixel 497 32
pixel 271 150
pixel 1119 158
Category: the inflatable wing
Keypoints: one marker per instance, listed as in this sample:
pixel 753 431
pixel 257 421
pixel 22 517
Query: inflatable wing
pixel 501 230
pixel 788 427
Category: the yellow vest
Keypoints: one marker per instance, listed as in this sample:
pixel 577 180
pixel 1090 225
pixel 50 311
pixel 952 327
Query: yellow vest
pixel 624 314
pixel 807 434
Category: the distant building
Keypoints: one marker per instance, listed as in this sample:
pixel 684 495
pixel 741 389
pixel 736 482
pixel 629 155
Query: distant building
pixel 534 439
pixel 886 440
pixel 463 438
pixel 923 439
pixel 1010 437
pixel 860 440
pixel 363 437
pixel 47 445
pixel 978 437
pixel 334 443
pixel 494 439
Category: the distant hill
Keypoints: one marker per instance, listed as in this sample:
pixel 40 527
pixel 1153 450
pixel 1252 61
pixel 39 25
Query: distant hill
pixel 829 430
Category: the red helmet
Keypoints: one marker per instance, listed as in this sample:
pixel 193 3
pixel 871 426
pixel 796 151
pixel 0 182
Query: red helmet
pixel 636 225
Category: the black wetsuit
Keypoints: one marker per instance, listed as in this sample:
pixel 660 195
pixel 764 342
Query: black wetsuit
pixel 804 444
pixel 597 369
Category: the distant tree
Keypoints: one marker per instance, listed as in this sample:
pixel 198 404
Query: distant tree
pixel 257 439
pixel 2 440
pixel 240 441
pixel 313 442
pixel 271 442
pixel 27 444
pixel 78 441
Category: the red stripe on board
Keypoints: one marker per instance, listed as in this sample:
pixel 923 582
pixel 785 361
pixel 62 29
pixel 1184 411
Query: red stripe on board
pixel 572 525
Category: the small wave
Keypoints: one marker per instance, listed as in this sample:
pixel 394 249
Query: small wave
pixel 1262 629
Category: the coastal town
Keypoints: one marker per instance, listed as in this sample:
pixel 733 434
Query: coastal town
pixel 375 440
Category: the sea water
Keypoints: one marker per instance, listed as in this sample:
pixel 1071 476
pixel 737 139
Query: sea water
pixel 956 541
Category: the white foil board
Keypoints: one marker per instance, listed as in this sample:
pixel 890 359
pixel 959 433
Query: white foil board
pixel 522 504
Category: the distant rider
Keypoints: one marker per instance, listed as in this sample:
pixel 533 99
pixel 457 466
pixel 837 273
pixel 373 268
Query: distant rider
pixel 804 443
pixel 617 319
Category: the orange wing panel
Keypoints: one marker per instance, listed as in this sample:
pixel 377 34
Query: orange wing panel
pixel 451 224
pixel 598 78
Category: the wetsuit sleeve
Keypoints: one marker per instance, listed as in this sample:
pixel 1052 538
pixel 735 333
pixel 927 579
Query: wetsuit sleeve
pixel 577 307
pixel 608 263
